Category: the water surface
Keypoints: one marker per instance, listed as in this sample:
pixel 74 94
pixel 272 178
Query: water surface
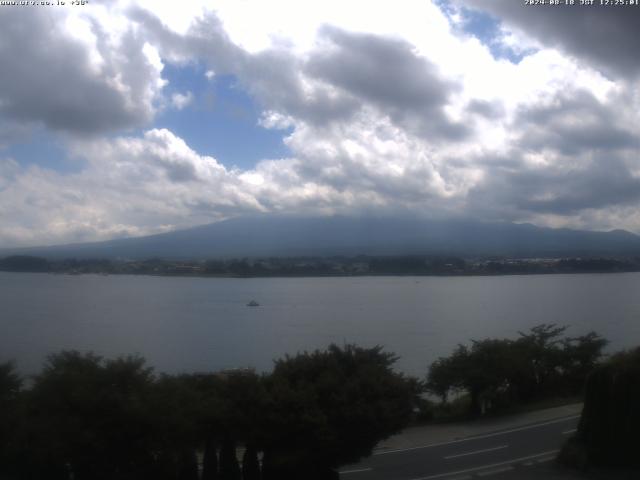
pixel 199 324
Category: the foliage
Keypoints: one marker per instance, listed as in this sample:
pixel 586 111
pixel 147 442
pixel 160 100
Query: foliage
pixel 331 407
pixel 10 385
pixel 250 464
pixel 24 263
pixel 10 382
pixel 496 372
pixel 610 421
pixel 89 416
pixel 98 419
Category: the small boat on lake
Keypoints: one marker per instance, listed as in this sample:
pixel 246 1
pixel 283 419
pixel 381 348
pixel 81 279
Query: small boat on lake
pixel 253 303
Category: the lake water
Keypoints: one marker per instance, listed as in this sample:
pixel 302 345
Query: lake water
pixel 203 324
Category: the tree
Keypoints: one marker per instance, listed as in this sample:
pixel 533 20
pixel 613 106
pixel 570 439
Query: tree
pixel 185 408
pixel 580 356
pixel 330 408
pixel 494 372
pixel 483 371
pixel 89 417
pixel 540 349
pixel 250 464
pixel 10 390
pixel 210 461
pixel 24 263
pixel 442 378
pixel 229 466
pixel 608 429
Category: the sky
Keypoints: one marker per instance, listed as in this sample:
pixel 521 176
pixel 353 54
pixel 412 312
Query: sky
pixel 125 118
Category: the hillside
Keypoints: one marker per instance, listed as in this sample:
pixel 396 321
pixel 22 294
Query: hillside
pixel 294 236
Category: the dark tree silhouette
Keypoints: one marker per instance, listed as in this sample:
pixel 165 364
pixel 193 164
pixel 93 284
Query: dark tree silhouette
pixel 229 466
pixel 330 408
pixel 24 263
pixel 496 372
pixel 250 464
pixel 188 465
pixel 94 419
pixel 210 461
pixel 89 417
pixel 10 385
pixel 610 421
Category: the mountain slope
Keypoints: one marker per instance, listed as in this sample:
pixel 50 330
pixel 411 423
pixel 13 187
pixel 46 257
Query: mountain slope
pixel 295 236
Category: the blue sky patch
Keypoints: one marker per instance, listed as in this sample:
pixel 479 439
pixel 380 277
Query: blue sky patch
pixel 41 147
pixel 222 119
pixel 485 28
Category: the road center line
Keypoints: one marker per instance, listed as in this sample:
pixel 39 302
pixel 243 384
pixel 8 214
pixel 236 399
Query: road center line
pixel 486 467
pixel 344 472
pixel 477 451
pixel 569 432
pixel 478 437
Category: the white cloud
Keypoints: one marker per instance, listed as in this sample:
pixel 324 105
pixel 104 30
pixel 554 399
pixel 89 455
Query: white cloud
pixel 394 110
pixel 130 186
pixel 181 100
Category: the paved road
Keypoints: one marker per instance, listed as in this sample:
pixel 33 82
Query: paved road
pixel 493 453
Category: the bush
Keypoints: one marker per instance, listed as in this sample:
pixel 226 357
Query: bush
pixel 610 420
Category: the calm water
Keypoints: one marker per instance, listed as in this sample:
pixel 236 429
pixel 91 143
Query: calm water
pixel 198 324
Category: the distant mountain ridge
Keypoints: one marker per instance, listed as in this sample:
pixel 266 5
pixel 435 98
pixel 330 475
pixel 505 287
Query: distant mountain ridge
pixel 285 236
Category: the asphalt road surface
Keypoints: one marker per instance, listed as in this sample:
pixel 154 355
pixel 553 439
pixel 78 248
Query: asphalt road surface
pixel 483 456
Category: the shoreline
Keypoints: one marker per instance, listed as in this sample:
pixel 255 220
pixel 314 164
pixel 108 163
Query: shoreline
pixel 336 275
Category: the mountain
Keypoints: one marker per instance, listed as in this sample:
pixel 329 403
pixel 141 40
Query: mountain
pixel 263 236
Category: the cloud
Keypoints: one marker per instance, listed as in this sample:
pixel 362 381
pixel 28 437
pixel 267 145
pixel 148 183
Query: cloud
pixel 575 122
pixel 486 109
pixel 387 73
pixel 181 100
pixel 331 82
pixel 605 37
pixel 72 74
pixel 130 186
pixel 571 158
pixel 595 184
pixel 386 113
pixel 143 185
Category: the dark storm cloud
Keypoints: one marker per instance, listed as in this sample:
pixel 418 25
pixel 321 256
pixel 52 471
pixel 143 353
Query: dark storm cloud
pixel 388 73
pixel 46 77
pixel 571 123
pixel 607 37
pixel 600 183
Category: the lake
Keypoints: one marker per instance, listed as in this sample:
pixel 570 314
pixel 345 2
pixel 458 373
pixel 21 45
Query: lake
pixel 201 324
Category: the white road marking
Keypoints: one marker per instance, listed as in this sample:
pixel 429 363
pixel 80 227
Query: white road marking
pixel 569 432
pixel 487 467
pixel 476 452
pixel 478 437
pixel 344 472
pixel 495 471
